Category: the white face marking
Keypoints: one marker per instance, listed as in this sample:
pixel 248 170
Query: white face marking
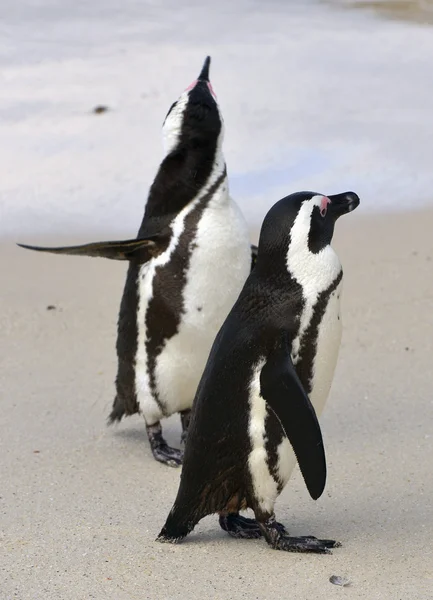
pixel 314 272
pixel 173 124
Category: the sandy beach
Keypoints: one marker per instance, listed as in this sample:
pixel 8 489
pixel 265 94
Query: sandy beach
pixel 313 97
pixel 81 503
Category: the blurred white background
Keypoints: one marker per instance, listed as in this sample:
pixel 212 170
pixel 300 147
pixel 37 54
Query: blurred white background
pixel 314 96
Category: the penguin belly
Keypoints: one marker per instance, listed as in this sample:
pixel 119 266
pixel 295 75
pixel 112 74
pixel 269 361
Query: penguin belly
pixel 218 268
pixel 327 349
pixel 272 460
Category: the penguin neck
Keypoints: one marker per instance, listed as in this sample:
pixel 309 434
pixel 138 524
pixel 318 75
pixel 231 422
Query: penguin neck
pixel 314 272
pixel 297 272
pixel 183 175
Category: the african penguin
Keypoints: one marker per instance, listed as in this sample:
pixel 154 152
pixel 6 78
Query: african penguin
pixel 187 267
pixel 267 378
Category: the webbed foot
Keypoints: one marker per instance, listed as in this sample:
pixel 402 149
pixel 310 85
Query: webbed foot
pixel 281 541
pixel 161 451
pixel 242 527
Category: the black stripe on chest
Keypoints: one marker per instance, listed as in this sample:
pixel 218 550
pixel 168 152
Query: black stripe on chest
pixel 308 342
pixel 304 368
pixel 166 307
pixel 126 344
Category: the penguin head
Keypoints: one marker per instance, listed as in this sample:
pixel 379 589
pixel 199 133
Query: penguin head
pixel 194 120
pixel 301 227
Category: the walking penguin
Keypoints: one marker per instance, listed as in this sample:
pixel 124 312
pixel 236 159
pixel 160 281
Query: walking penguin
pixel 187 267
pixel 267 379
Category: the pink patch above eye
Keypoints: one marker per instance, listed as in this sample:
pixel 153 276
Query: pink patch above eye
pixel 324 205
pixel 209 85
pixel 193 84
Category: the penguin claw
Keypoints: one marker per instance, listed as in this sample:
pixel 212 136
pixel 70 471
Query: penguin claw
pixel 243 528
pixel 325 543
pixel 172 457
pixel 168 456
pixel 240 527
pixel 305 544
pixel 280 540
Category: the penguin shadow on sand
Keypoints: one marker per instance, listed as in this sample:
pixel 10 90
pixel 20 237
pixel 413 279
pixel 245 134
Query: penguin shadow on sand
pixel 187 266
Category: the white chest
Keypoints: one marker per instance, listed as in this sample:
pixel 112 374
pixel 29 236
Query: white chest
pixel 218 265
pixel 326 342
pixel 315 349
pixel 327 349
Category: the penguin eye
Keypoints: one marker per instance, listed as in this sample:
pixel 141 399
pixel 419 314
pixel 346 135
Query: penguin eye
pixel 324 206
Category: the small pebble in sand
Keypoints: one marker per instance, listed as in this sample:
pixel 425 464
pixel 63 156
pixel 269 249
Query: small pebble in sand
pixel 51 307
pixel 337 580
pixel 100 109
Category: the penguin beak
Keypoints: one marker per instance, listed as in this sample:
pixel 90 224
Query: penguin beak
pixel 203 79
pixel 204 73
pixel 342 204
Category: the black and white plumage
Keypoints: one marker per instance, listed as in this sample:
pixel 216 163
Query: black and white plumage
pixel 267 379
pixel 187 266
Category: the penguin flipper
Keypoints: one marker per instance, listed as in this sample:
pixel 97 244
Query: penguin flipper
pixel 282 390
pixel 141 250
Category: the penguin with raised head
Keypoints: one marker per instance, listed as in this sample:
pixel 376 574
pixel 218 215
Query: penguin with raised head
pixel 267 379
pixel 187 266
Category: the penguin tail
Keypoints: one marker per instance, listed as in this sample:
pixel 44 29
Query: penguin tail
pixel 123 405
pixel 117 412
pixel 177 527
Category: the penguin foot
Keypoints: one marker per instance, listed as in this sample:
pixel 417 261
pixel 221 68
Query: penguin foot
pixel 240 527
pixel 305 544
pixel 280 541
pixel 172 457
pixel 243 528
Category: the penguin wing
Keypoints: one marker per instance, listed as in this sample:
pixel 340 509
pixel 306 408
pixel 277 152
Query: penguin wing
pixel 283 392
pixel 137 249
pixel 254 251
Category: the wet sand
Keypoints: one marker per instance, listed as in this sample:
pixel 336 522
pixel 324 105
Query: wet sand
pixel 81 503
